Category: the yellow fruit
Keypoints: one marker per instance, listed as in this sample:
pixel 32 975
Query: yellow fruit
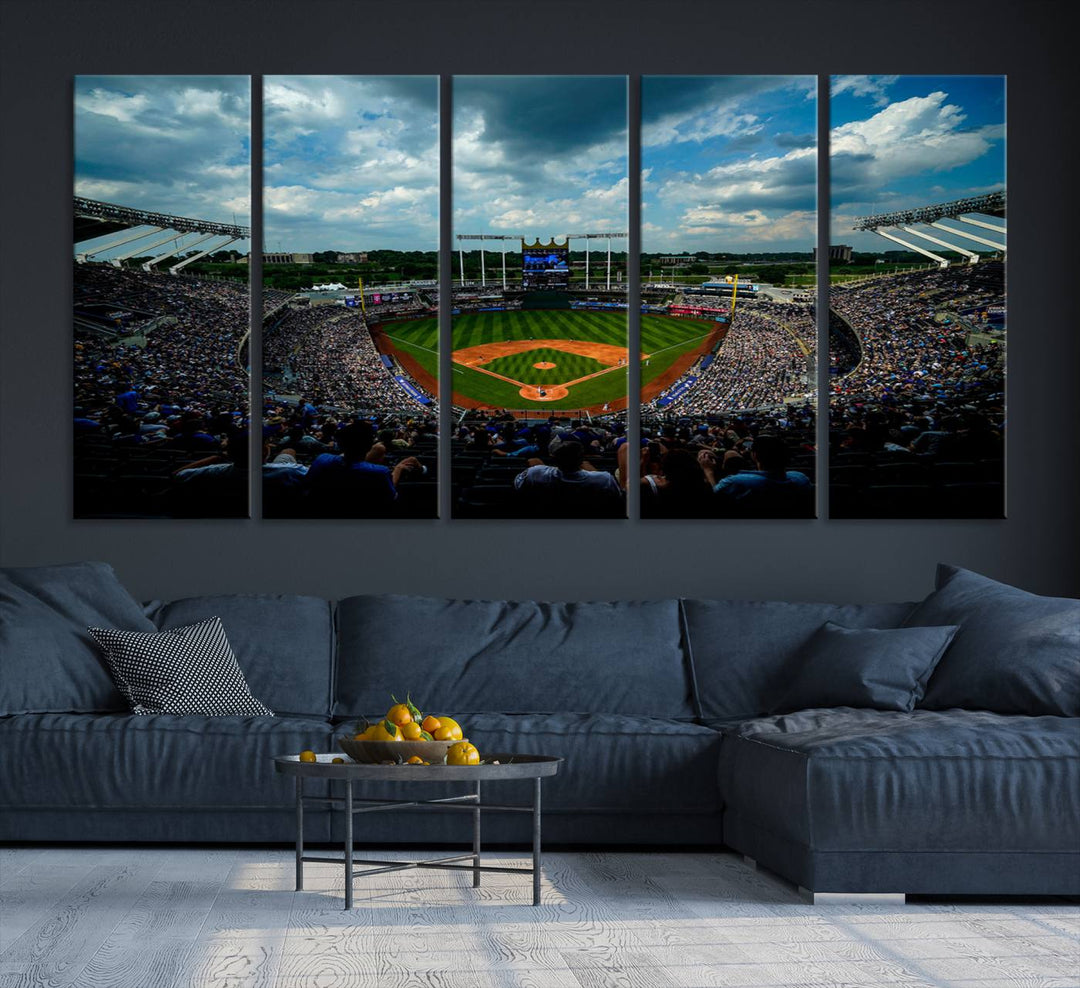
pixel 337 761
pixel 415 760
pixel 399 714
pixel 381 732
pixel 411 731
pixel 308 756
pixel 431 724
pixel 448 730
pixel 368 734
pixel 462 753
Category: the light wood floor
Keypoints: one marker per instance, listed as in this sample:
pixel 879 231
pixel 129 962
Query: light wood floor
pixel 169 918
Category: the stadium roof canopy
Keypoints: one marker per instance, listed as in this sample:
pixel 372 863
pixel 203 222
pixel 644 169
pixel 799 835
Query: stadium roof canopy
pixel 989 205
pixel 98 219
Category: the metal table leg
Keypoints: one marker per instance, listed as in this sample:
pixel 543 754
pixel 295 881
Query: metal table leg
pixel 299 833
pixel 476 840
pixel 536 841
pixel 348 844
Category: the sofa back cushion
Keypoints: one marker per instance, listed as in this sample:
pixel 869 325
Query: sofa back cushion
pixel 284 644
pixel 1015 652
pixel 742 651
pixel 48 661
pixel 489 656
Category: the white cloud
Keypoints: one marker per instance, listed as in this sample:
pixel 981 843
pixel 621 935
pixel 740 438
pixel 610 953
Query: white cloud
pixel 909 137
pixel 873 86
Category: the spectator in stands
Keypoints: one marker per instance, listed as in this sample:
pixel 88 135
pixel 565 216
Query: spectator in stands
pixel 678 490
pixel 570 488
pixel 350 485
pixel 770 490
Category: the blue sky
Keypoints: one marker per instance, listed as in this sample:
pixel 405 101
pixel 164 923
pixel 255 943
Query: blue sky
pixel 903 141
pixel 728 163
pixel 351 163
pixel 539 156
pixel 174 144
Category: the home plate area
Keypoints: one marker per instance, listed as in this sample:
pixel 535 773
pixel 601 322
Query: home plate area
pixel 543 370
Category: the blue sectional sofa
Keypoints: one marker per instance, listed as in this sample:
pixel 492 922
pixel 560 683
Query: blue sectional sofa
pixel 663 711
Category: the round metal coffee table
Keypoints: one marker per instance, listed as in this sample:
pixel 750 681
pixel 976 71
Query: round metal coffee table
pixel 535 767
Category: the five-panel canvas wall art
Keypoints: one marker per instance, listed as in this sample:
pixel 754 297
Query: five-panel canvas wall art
pixel 717 323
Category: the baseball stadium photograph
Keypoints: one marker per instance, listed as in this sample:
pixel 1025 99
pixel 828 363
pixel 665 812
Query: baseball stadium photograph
pixel 350 212
pixel 161 386
pixel 917 297
pixel 539 307
pixel 728 316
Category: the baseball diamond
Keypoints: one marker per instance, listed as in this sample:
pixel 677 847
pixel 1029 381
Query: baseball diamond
pixel 548 359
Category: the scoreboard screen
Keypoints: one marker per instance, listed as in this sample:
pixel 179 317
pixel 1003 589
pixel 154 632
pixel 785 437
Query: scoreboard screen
pixel 545 268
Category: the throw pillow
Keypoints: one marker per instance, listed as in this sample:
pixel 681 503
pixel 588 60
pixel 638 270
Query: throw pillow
pixel 48 663
pixel 1015 652
pixel 883 669
pixel 189 670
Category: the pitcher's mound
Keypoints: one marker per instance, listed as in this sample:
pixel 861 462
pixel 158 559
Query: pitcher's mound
pixel 551 392
pixel 544 365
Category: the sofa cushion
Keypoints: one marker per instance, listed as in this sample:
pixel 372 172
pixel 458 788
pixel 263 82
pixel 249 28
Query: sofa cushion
pixel 475 656
pixel 640 765
pixel 48 661
pixel 883 669
pixel 117 761
pixel 866 780
pixel 743 651
pixel 284 644
pixel 1015 652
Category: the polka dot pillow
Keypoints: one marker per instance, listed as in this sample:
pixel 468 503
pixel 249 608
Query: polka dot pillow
pixel 189 670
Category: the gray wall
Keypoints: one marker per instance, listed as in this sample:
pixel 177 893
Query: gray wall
pixel 45 44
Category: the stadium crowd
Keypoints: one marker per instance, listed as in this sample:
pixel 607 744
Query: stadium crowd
pixel 748 464
pixel 917 422
pixel 323 463
pixel 174 400
pixel 758 363
pixel 326 354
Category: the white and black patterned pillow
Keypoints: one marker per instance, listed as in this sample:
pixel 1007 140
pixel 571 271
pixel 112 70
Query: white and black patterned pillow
pixel 189 670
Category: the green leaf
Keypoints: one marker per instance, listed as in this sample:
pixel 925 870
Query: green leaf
pixel 413 709
pixel 390 727
pixel 426 736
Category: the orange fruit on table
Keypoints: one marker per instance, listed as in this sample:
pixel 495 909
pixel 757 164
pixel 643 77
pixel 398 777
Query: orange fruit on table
pixel 308 756
pixel 337 761
pixel 415 760
pixel 411 731
pixel 399 714
pixel 431 724
pixel 462 753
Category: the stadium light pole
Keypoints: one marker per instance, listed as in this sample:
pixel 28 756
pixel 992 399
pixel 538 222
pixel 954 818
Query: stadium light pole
pixel 483 273
pixel 461 261
pixel 608 263
pixel 504 264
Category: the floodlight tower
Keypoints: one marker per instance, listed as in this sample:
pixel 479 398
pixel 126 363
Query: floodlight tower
pixel 596 236
pixel 483 237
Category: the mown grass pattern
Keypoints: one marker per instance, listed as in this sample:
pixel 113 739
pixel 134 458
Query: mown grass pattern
pixel 663 337
pixel 521 366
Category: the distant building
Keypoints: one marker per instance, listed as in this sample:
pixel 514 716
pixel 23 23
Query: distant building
pixel 352 257
pixel 675 259
pixel 280 257
pixel 838 252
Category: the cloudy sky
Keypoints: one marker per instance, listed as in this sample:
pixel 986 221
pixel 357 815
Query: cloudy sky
pixel 351 162
pixel 174 144
pixel 903 141
pixel 539 156
pixel 728 163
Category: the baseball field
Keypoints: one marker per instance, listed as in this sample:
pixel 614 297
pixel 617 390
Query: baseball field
pixel 547 359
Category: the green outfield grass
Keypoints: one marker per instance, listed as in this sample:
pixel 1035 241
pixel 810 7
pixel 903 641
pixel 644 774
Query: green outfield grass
pixel 521 366
pixel 664 338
